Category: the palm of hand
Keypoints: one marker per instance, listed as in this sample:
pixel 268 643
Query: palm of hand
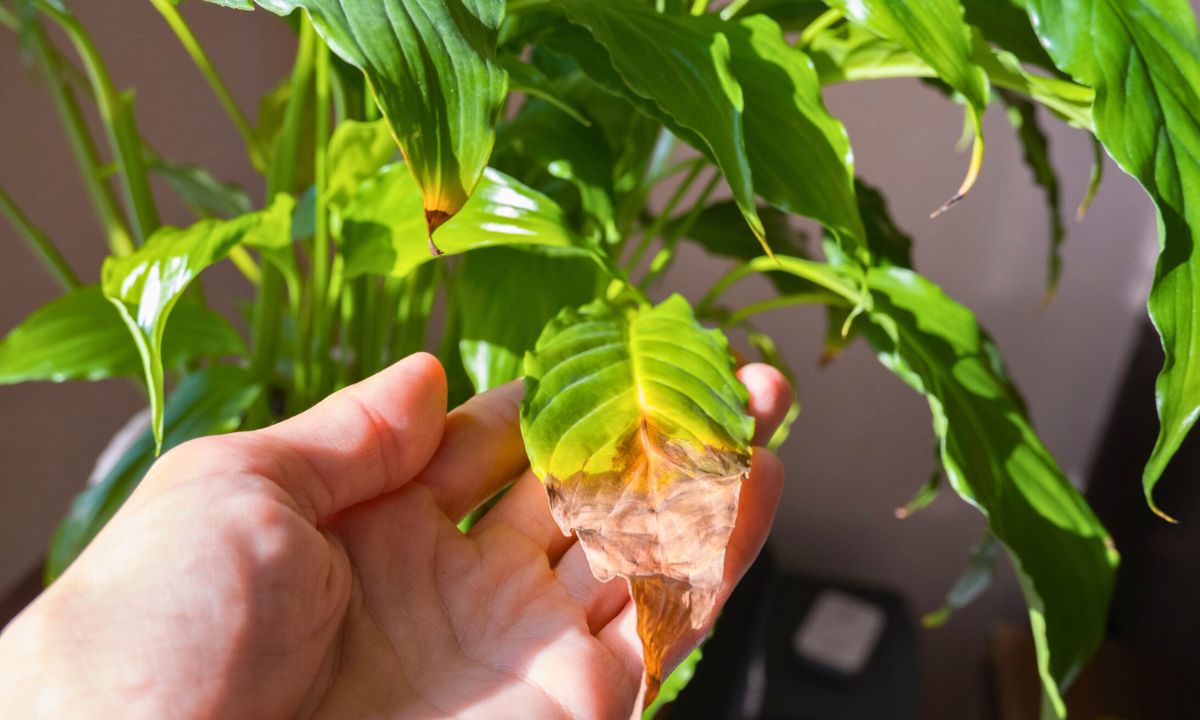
pixel 319 572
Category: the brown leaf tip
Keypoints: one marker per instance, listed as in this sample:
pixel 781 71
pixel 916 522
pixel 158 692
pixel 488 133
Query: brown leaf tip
pixel 434 219
pixel 661 519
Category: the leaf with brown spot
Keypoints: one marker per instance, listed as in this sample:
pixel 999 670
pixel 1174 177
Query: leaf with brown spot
pixel 636 424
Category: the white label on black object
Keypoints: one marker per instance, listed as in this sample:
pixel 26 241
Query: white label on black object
pixel 839 632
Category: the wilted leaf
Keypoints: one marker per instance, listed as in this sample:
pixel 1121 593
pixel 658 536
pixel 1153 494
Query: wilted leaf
pixel 1143 60
pixel 636 424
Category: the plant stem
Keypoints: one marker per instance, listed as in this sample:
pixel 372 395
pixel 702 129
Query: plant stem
pixel 699 6
pixel 823 22
pixel 186 38
pixel 266 316
pixel 83 147
pixel 39 244
pixel 663 217
pixel 116 112
pixel 818 297
pixel 663 259
pixel 319 344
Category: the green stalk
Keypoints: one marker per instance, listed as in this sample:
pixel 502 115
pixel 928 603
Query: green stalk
pixel 116 112
pixel 659 222
pixel 39 244
pixel 266 316
pixel 83 147
pixel 319 343
pixel 663 259
pixel 186 38
pixel 817 297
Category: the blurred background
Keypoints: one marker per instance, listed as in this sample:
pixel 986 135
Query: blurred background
pixel 863 443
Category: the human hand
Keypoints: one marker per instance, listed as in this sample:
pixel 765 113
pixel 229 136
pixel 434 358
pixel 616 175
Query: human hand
pixel 314 569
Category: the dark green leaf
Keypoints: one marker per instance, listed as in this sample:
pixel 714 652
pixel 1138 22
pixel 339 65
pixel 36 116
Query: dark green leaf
pixel 799 155
pixel 546 136
pixel 1143 60
pixel 506 296
pixel 207 402
pixel 80 336
pixel 1005 23
pixel 1022 114
pixel 204 194
pixel 680 72
pixel 981 567
pixel 146 285
pixel 431 64
pixel 790 14
pixel 383 229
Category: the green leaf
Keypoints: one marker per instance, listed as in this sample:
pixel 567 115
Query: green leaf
pixel 146 285
pixel 681 73
pixel 936 32
pixel 1022 113
pixel 981 568
pixel 993 458
pixel 675 683
pixel 207 402
pixel 204 194
pixel 80 336
pixel 383 229
pixel 431 65
pixel 357 151
pixel 494 283
pixel 1143 60
pixel 635 422
pixel 529 79
pixel 796 153
pixel 1004 23
pixel 547 137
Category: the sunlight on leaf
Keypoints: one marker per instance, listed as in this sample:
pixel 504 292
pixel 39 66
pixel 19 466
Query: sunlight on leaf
pixel 635 422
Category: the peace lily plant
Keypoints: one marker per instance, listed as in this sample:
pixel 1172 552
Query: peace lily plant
pixel 502 156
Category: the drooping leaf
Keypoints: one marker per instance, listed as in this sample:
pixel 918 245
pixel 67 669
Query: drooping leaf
pixel 204 194
pixel 1022 113
pixel 383 228
pixel 935 31
pixel 431 64
pixel 797 154
pixel 1143 59
pixel 80 336
pixel 993 458
pixel 494 282
pixel 207 402
pixel 981 568
pixel 146 285
pixel 635 422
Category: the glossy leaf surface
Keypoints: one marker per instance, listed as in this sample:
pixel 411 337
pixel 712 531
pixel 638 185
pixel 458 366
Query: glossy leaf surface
pixel 993 458
pixel 80 336
pixel 383 229
pixel 431 64
pixel 207 402
pixel 146 285
pixel 636 424
pixel 1143 59
pixel 494 281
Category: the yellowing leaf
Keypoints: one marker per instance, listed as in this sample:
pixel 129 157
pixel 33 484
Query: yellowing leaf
pixel 636 424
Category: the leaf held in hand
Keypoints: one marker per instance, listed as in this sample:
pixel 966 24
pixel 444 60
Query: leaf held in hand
pixel 636 424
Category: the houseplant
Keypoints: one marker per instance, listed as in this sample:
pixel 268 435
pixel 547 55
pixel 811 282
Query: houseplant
pixel 547 205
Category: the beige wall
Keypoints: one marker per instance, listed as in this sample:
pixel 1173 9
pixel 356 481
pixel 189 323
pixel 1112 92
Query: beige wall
pixel 863 443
